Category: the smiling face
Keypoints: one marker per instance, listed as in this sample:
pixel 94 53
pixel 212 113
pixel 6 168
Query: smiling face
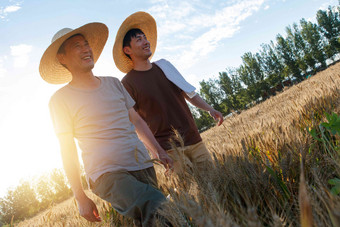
pixel 139 48
pixel 76 54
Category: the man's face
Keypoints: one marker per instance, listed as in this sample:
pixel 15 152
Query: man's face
pixel 139 47
pixel 78 56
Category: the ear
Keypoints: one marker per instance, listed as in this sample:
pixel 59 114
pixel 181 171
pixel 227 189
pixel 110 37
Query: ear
pixel 127 50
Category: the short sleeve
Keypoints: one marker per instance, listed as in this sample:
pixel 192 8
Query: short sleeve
pixel 60 115
pixel 129 102
pixel 130 90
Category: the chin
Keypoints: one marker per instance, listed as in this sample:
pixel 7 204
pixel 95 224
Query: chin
pixel 90 67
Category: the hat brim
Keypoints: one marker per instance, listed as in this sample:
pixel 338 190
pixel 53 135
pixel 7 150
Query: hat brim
pixel 52 71
pixel 147 24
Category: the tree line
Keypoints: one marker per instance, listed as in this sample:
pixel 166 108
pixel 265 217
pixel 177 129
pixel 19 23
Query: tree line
pixel 306 49
pixel 33 196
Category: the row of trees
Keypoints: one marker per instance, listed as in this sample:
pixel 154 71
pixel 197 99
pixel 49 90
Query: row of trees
pixel 31 197
pixel 306 49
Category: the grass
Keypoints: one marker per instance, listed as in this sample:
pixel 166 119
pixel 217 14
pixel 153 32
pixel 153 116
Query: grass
pixel 276 164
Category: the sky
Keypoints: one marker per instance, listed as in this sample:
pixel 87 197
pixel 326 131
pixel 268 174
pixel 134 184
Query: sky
pixel 200 37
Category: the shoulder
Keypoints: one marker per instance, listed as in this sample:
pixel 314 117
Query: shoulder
pixel 59 94
pixel 128 75
pixel 165 65
pixel 161 61
pixel 128 78
pixel 109 79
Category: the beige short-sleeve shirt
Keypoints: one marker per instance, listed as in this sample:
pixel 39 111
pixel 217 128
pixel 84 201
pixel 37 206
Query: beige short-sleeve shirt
pixel 99 120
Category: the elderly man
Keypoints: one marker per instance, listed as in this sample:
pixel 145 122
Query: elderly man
pixel 98 112
pixel 160 92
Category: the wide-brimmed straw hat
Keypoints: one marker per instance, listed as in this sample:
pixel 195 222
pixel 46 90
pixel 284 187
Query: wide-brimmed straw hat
pixel 147 24
pixel 51 70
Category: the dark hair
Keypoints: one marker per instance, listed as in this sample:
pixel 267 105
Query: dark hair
pixel 61 49
pixel 132 33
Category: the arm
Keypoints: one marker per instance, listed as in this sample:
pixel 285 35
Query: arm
pixel 69 155
pixel 200 103
pixel 146 136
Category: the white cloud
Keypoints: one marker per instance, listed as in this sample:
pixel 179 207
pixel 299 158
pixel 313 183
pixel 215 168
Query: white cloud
pixel 11 9
pixel 4 11
pixel 21 55
pixel 266 7
pixel 202 25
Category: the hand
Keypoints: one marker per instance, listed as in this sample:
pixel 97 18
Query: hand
pixel 88 209
pixel 217 116
pixel 166 161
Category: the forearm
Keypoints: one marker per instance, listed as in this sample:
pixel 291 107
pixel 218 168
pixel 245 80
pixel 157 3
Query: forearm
pixel 199 102
pixel 87 208
pixel 72 171
pixel 146 136
pixel 71 166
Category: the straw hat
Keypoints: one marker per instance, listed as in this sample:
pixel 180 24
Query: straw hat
pixel 142 21
pixel 51 70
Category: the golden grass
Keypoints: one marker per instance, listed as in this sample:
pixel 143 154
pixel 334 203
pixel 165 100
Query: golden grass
pixel 66 214
pixel 257 179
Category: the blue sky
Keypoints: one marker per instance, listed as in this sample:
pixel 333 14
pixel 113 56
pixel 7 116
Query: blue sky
pixel 200 37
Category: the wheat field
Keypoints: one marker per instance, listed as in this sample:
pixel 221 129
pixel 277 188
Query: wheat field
pixel 269 171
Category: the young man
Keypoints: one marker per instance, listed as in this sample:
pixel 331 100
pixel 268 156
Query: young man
pixel 98 112
pixel 159 101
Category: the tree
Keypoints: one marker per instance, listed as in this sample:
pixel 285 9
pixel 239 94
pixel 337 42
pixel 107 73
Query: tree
pixel 329 24
pixel 202 119
pixel 310 33
pixel 62 191
pixel 19 203
pixel 252 76
pixel 45 191
pixel 211 94
pixel 271 64
pixel 298 45
pixel 284 50
pixel 230 84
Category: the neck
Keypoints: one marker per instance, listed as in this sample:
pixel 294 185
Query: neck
pixel 142 65
pixel 85 80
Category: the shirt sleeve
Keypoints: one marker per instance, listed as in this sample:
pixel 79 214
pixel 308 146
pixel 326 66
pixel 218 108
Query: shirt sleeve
pixel 128 88
pixel 60 115
pixel 129 102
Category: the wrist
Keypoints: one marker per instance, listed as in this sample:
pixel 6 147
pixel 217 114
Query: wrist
pixel 79 195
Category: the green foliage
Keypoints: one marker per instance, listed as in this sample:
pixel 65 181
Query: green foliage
pixel 329 24
pixel 19 203
pixel 324 136
pixel 202 119
pixel 29 198
pixel 336 186
pixel 271 64
pixel 333 124
pixel 314 44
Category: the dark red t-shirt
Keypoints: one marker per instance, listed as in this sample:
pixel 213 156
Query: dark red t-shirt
pixel 162 106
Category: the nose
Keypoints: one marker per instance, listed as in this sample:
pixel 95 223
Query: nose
pixel 146 41
pixel 86 48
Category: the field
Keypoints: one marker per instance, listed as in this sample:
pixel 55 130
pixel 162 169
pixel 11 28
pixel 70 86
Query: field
pixel 275 166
